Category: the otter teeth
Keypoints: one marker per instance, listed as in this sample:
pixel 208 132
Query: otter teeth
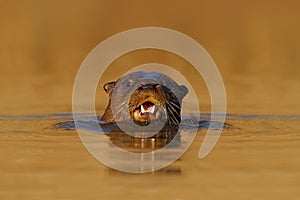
pixel 142 109
pixel 151 110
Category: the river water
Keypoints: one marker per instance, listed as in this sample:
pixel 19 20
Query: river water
pixel 256 47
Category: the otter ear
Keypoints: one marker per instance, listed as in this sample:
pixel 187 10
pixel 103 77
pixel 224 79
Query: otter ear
pixel 109 86
pixel 183 90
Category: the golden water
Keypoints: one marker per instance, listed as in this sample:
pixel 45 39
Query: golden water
pixel 256 47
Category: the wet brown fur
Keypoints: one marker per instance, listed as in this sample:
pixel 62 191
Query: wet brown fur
pixel 158 89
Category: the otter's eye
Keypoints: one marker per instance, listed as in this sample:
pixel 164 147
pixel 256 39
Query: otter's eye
pixel 129 83
pixel 166 84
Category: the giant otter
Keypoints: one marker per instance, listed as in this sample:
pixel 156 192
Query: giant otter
pixel 149 96
pixel 144 97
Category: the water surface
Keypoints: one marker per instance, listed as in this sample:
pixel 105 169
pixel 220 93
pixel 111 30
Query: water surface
pixel 259 154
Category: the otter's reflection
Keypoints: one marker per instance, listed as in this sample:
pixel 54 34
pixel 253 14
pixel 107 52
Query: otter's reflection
pixel 142 144
pixel 167 136
pixel 129 153
pixel 169 170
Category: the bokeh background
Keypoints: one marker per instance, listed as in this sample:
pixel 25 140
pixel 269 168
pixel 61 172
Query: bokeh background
pixel 255 44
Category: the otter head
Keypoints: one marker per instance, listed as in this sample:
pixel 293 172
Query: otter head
pixel 149 96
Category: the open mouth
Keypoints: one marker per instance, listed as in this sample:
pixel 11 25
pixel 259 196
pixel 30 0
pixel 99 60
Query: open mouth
pixel 146 108
pixel 145 113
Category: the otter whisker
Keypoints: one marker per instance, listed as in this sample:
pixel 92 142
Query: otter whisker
pixel 174 108
pixel 173 116
pixel 174 104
